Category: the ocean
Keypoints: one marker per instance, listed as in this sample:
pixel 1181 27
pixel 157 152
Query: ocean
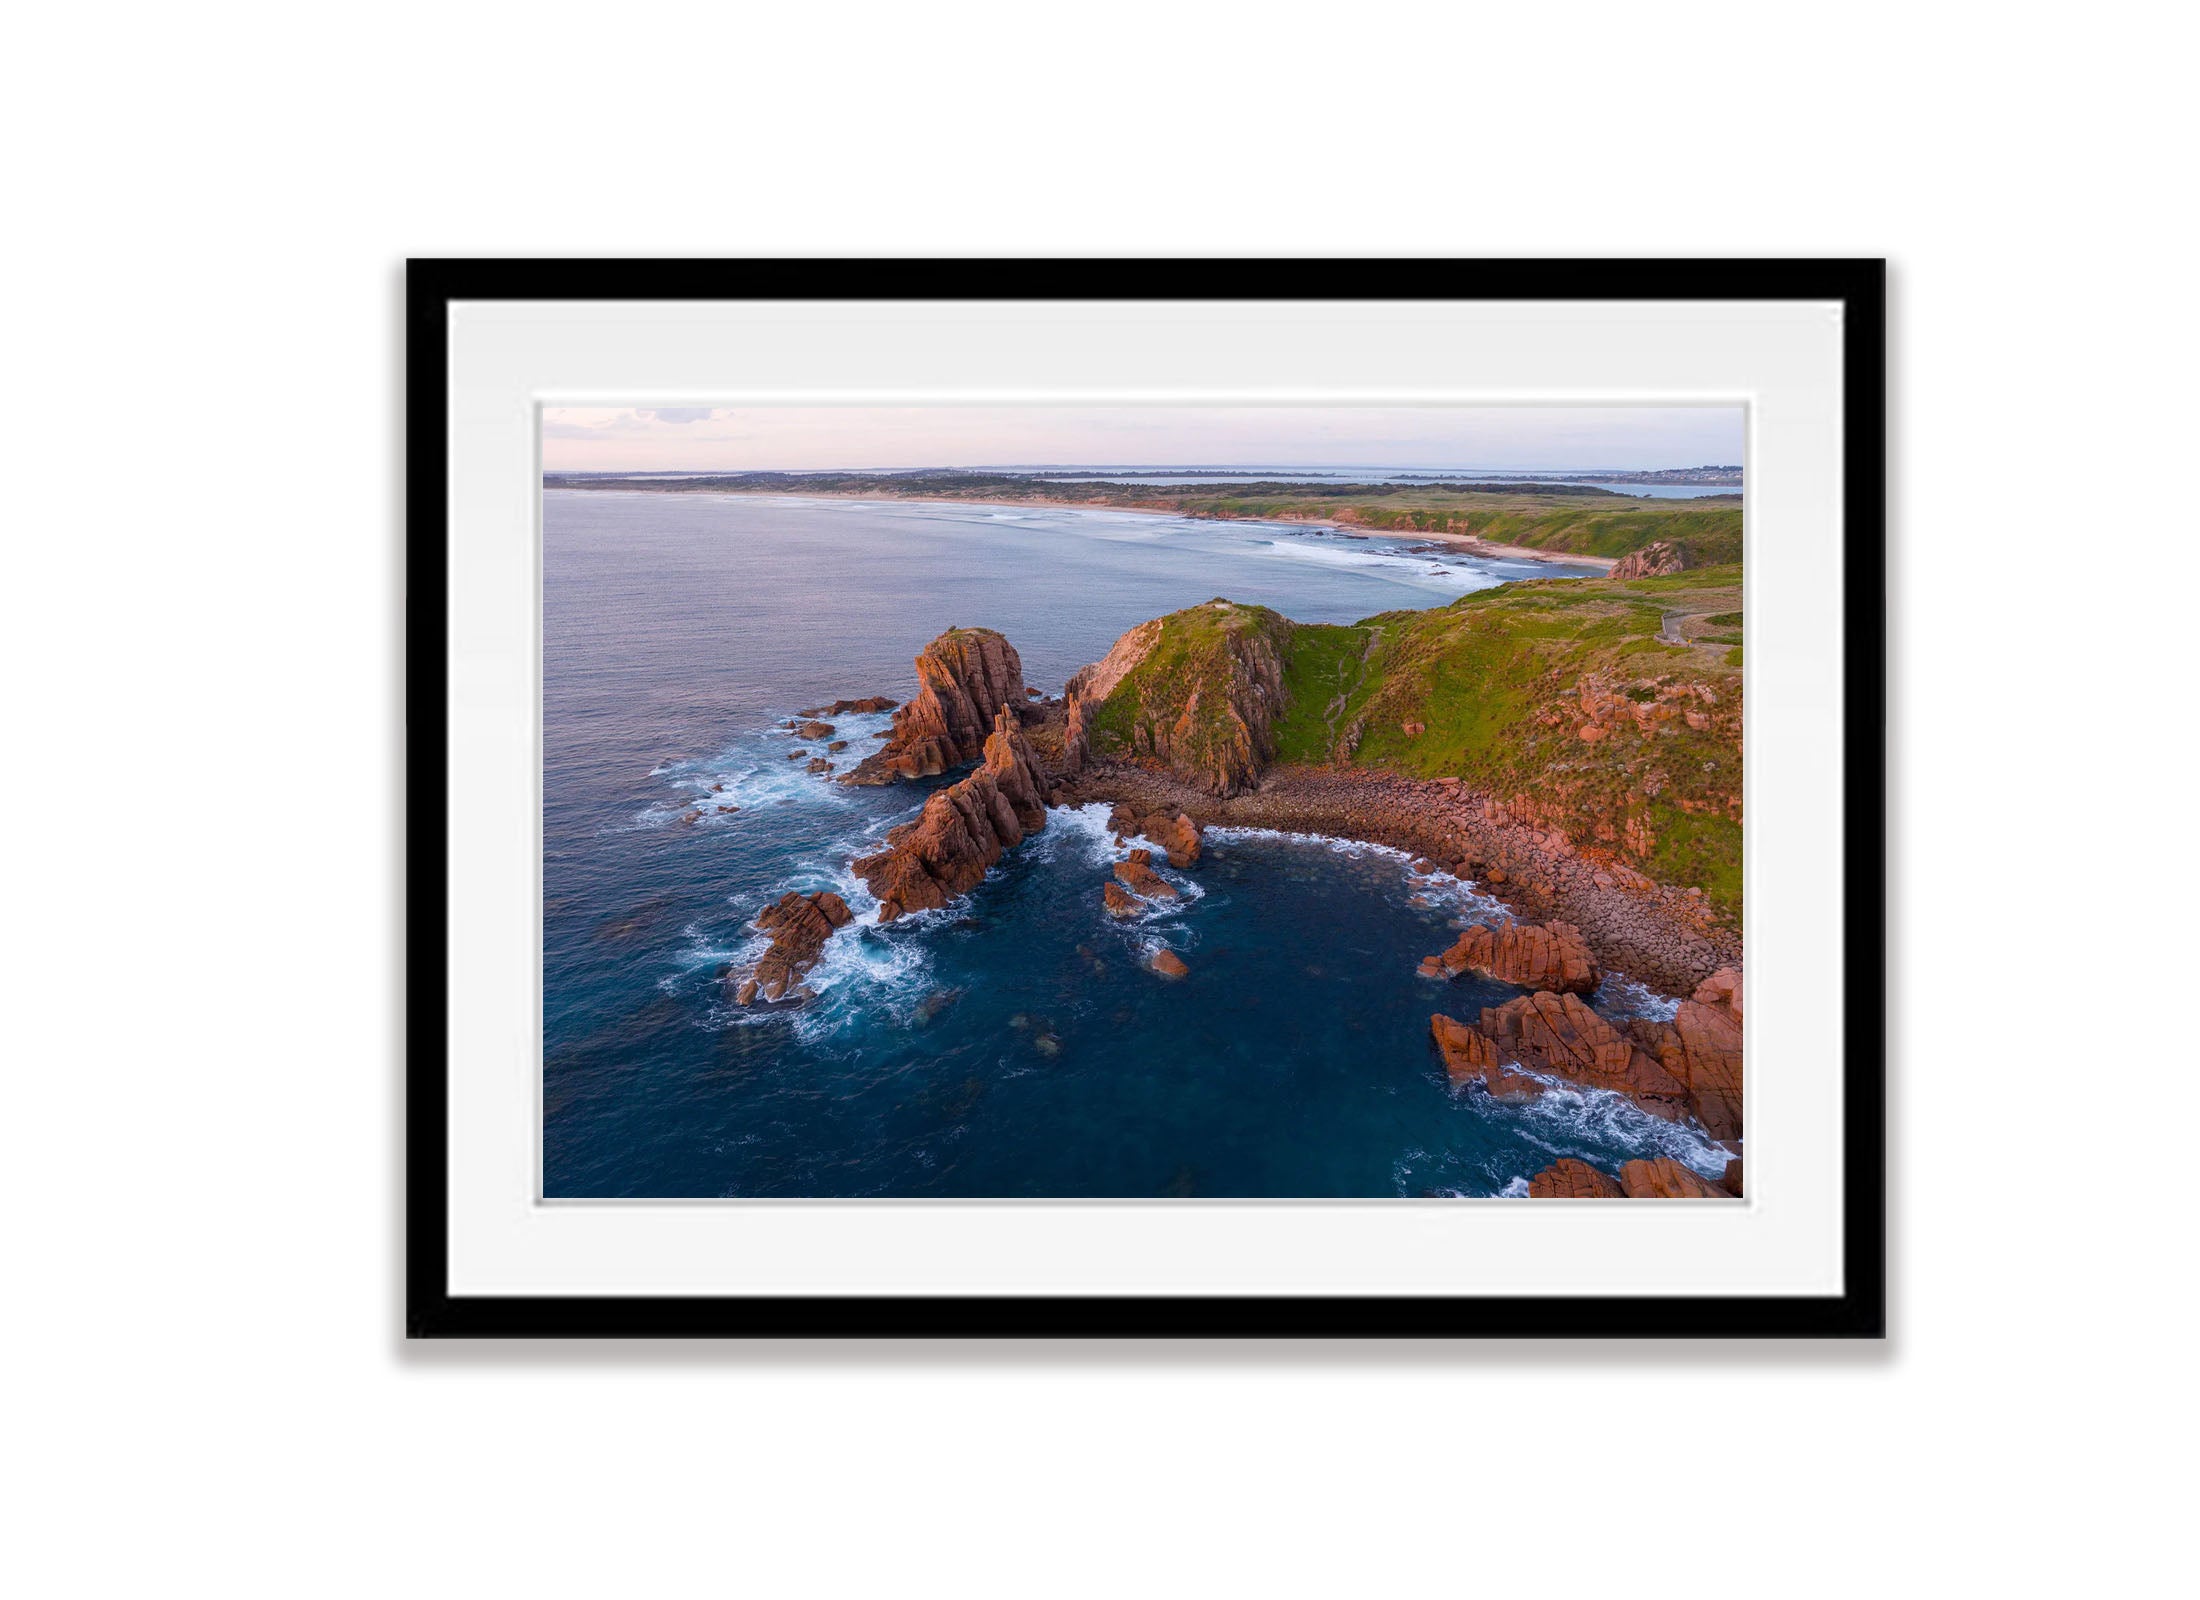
pixel 1013 1044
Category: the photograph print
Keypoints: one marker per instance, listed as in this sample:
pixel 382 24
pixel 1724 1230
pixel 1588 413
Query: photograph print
pixel 1157 801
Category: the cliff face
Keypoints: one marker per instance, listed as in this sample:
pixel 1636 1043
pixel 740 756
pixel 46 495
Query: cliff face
pixel 1651 561
pixel 1198 692
pixel 965 677
pixel 964 828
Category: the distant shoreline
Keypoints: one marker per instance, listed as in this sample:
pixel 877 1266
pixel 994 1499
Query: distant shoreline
pixel 1465 542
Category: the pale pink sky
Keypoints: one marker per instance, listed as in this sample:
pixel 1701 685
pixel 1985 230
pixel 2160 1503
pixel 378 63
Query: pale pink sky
pixel 738 438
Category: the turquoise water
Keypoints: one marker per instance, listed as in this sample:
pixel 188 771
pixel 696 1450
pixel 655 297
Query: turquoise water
pixel 1012 1044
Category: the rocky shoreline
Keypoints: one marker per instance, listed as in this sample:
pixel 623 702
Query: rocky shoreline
pixel 1660 935
pixel 1577 916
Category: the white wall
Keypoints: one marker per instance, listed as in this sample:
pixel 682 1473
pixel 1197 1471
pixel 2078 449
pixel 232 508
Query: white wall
pixel 205 1383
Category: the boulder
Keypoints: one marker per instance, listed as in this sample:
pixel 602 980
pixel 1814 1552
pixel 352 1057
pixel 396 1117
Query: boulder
pixel 1722 991
pixel 1120 901
pixel 964 829
pixel 863 707
pixel 1558 1036
pixel 1177 834
pixel 799 925
pixel 1168 964
pixel 966 677
pixel 814 729
pixel 818 765
pixel 1568 1179
pixel 1664 1179
pixel 1141 879
pixel 1553 956
pixel 1466 1053
pixel 1701 1048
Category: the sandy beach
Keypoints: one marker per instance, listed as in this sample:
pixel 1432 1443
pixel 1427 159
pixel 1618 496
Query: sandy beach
pixel 1466 542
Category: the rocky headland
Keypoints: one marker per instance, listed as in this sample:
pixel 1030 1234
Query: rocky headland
pixel 1561 746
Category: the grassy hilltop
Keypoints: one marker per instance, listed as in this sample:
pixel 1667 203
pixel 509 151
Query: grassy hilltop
pixel 1609 709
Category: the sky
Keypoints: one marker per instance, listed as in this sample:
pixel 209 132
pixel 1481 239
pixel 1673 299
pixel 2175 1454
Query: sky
pixel 791 438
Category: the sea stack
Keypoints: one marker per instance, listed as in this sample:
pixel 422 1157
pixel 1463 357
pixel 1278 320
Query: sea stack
pixel 964 829
pixel 966 677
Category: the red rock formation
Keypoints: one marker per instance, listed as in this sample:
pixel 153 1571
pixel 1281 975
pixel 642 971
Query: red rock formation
pixel 813 729
pixel 1466 1053
pixel 1119 900
pixel 1138 876
pixel 1722 991
pixel 1553 956
pixel 964 829
pixel 1469 1055
pixel 1664 1179
pixel 1702 1048
pixel 1651 561
pixel 1176 833
pixel 1167 964
pixel 799 925
pixel 1569 1179
pixel 1558 1036
pixel 966 676
pixel 842 708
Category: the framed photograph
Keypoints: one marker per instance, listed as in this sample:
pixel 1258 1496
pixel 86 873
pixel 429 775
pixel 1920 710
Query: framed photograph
pixel 1154 798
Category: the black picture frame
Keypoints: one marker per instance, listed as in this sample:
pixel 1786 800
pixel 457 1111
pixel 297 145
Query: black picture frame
pixel 432 1311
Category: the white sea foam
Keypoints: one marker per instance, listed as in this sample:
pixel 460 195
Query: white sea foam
pixel 1621 996
pixel 754 773
pixel 1234 834
pixel 1570 1121
pixel 1517 1189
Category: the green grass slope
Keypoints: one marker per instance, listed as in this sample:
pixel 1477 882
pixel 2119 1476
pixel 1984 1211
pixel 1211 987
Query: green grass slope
pixel 1567 698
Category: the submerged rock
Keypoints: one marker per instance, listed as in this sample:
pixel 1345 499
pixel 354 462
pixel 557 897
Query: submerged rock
pixel 1168 964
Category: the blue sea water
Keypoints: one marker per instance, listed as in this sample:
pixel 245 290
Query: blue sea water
pixel 1012 1045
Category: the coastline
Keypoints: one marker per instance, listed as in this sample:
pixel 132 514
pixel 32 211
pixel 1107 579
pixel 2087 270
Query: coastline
pixel 1654 933
pixel 1467 543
